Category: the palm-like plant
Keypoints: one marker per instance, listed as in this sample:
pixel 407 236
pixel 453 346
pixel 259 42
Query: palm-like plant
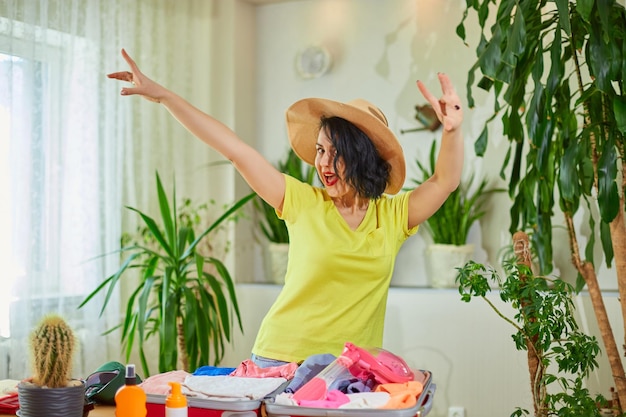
pixel 556 70
pixel 451 224
pixel 189 307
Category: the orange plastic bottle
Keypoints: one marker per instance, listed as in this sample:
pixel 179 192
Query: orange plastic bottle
pixel 176 402
pixel 130 400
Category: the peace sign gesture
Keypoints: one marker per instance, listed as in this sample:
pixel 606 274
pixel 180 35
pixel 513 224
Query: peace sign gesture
pixel 448 107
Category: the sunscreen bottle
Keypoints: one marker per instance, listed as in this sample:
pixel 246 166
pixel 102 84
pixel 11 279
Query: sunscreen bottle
pixel 130 399
pixel 176 402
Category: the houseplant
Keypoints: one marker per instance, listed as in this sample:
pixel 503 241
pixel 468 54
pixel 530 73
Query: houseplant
pixel 189 307
pixel 273 228
pixel 450 225
pixel 51 391
pixel 545 327
pixel 557 71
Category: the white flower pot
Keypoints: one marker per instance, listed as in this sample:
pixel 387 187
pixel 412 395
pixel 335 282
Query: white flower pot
pixel 442 261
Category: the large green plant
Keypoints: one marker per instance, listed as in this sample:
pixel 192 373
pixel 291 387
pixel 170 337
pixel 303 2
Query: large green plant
pixel 545 327
pixel 189 306
pixel 452 222
pixel 556 70
pixel 273 228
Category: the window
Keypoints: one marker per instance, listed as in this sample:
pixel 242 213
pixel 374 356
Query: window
pixel 49 178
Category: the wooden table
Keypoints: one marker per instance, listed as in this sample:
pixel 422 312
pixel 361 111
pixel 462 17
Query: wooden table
pixel 103 411
pixel 99 411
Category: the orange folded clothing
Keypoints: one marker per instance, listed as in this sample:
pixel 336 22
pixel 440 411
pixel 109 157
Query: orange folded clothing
pixel 401 395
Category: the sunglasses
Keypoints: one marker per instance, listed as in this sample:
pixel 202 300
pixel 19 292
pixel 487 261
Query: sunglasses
pixel 97 380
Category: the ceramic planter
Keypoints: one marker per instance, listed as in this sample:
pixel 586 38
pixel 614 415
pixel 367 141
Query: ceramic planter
pixel 36 401
pixel 442 261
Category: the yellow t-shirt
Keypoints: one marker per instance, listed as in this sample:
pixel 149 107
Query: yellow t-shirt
pixel 337 278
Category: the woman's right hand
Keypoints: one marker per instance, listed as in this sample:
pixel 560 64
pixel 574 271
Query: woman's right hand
pixel 142 85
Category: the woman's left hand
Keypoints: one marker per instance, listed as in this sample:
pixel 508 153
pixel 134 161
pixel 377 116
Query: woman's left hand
pixel 448 107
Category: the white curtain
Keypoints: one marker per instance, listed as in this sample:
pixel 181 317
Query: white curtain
pixel 73 153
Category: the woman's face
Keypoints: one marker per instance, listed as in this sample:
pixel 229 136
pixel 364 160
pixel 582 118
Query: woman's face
pixel 324 157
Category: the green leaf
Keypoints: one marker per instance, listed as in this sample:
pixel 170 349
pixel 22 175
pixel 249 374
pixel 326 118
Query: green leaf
pixel 156 232
pixel 143 309
pixel 556 69
pixel 230 287
pixel 584 7
pixel 168 332
pixel 517 34
pixel 222 307
pixel 515 129
pixel 564 23
pixel 516 170
pixel 113 279
pixel 604 11
pixel 619 109
pixel 569 188
pixel 460 29
pixel 607 243
pixel 483 13
pixel 480 146
pixel 169 220
pixel 608 197
pixel 598 55
pixel 491 57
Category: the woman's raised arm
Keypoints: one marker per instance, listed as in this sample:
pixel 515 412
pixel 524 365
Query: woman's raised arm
pixel 262 176
pixel 426 199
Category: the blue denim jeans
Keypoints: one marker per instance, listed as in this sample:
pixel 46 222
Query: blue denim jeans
pixel 262 362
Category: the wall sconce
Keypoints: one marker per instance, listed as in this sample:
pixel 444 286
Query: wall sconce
pixel 313 62
pixel 427 117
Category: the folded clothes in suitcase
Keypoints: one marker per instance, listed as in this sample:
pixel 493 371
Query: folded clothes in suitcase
pixel 421 408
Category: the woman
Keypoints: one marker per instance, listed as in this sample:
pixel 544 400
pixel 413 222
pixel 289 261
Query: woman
pixel 344 236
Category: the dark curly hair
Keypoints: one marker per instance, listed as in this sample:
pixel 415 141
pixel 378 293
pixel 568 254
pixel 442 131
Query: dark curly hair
pixel 366 170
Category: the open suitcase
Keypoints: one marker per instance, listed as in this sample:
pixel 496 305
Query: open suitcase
pixel 198 407
pixel 421 409
pixel 362 364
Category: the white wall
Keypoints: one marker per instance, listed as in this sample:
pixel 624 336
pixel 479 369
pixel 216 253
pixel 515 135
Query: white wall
pixel 380 48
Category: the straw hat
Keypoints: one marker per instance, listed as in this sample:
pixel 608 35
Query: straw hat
pixel 303 120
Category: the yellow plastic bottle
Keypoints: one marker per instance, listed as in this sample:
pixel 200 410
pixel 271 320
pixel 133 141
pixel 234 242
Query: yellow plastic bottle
pixel 130 399
pixel 176 402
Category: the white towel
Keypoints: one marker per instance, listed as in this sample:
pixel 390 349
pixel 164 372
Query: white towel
pixel 224 387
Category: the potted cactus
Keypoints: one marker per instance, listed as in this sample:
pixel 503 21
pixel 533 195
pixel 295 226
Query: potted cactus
pixel 51 392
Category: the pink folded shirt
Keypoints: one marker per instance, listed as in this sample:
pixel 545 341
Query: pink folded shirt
pixel 158 384
pixel 248 368
pixel 334 399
